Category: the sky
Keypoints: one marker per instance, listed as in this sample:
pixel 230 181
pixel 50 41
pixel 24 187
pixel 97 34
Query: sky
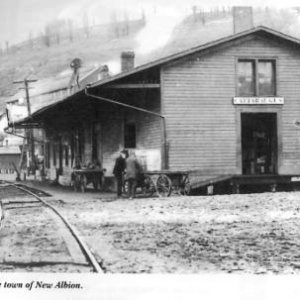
pixel 20 17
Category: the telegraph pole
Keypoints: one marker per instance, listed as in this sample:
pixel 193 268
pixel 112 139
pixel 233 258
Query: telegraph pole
pixel 29 132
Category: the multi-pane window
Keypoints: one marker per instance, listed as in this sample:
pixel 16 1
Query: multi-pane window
pixel 246 78
pixel 256 77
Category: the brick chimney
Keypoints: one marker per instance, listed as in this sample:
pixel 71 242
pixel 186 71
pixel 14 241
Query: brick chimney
pixel 127 61
pixel 242 18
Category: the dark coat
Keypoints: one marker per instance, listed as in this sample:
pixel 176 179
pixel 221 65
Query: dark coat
pixel 119 167
pixel 133 168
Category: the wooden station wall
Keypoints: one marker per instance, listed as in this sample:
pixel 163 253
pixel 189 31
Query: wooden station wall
pixel 203 124
pixel 109 122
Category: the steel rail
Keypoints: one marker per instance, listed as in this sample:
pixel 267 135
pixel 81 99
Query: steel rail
pixel 84 248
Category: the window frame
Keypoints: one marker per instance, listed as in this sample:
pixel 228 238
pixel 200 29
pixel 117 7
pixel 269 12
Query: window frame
pixel 256 60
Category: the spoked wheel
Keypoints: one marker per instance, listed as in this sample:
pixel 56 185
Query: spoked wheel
pixel 95 183
pixel 125 187
pixel 187 189
pixel 148 186
pixel 163 185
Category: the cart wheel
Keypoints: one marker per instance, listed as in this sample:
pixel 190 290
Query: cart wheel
pixel 125 187
pixel 83 183
pixel 163 185
pixel 187 189
pixel 148 186
pixel 95 184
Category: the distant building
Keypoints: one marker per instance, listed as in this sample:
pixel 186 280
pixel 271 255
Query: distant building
pixel 43 93
pixel 9 159
pixel 8 140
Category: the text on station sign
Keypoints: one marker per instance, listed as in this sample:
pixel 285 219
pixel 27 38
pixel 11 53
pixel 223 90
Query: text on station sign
pixel 258 100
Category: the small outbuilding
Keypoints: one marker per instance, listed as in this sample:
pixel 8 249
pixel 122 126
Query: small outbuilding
pixel 9 160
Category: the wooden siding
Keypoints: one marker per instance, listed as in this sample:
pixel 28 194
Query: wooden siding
pixel 148 135
pixel 111 119
pixel 112 137
pixel 202 126
pixel 149 126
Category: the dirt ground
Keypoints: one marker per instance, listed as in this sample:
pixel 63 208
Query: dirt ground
pixel 32 239
pixel 250 233
pixel 247 233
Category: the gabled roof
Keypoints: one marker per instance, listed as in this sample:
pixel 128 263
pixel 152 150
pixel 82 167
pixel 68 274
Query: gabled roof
pixel 262 30
pixel 255 30
pixel 55 83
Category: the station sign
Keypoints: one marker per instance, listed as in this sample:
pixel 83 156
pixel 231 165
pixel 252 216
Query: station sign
pixel 258 100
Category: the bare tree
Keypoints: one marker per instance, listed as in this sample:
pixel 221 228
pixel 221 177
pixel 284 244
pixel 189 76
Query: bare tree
pixel 126 24
pixel 143 17
pixel 7 46
pixel 47 36
pixel 70 30
pixel 86 27
pixel 115 25
pixel 194 9
pixel 30 39
pixel 57 32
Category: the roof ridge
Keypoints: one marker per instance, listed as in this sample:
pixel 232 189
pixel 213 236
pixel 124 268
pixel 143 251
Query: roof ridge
pixel 191 50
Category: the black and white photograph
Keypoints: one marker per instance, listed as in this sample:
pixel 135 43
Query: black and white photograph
pixel 149 149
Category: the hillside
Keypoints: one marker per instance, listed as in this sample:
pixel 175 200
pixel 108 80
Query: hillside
pixel 191 32
pixel 39 61
pixel 103 46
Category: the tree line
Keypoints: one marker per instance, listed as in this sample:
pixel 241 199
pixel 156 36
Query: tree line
pixel 61 30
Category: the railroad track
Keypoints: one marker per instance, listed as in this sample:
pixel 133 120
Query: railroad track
pixel 22 197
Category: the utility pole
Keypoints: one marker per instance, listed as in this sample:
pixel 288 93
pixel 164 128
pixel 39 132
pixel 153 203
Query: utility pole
pixel 29 132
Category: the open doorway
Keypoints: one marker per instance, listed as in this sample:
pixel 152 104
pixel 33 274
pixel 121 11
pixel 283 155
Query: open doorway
pixel 259 143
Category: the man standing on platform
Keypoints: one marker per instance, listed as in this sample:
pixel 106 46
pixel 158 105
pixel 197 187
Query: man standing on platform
pixel 133 170
pixel 119 169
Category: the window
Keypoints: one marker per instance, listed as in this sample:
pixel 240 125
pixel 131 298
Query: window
pixel 130 135
pixel 246 78
pixel 256 77
pixel 266 78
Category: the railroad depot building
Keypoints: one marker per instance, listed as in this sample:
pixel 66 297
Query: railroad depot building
pixel 229 107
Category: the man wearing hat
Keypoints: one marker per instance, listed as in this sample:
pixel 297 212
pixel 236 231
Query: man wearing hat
pixel 133 171
pixel 119 169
